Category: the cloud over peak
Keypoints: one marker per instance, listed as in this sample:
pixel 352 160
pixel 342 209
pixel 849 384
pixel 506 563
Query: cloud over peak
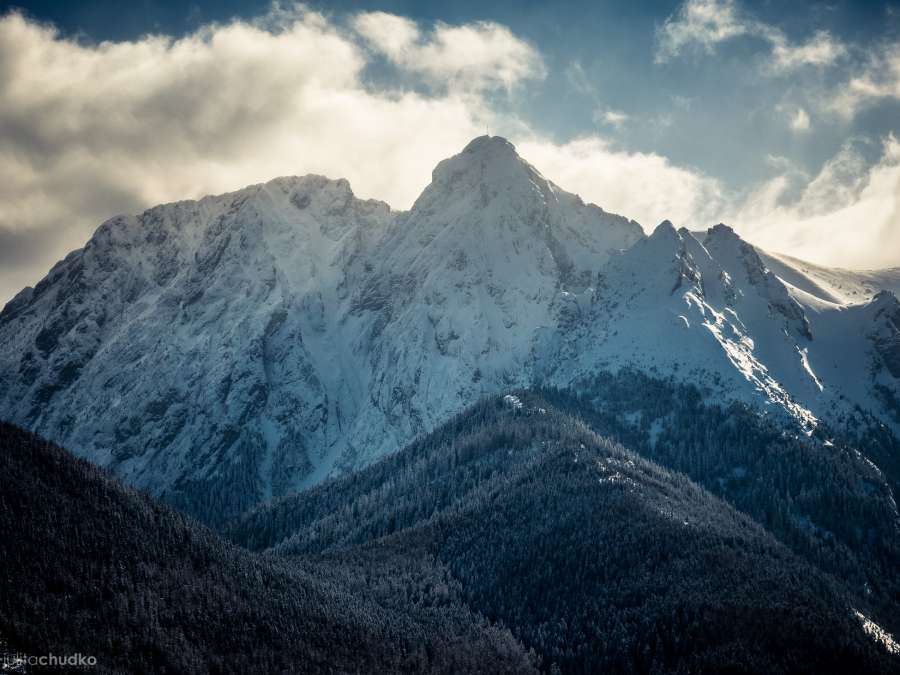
pixel 472 57
pixel 89 130
pixel 845 216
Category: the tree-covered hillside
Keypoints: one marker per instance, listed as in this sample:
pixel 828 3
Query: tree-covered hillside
pixel 819 493
pixel 595 558
pixel 89 567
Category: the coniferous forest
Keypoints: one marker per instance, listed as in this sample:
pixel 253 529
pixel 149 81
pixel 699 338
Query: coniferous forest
pixel 521 536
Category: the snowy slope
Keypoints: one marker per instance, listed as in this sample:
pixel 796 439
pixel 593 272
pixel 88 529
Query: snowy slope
pixel 234 348
pixel 712 313
pixel 833 285
pixel 669 306
pixel 189 339
pixel 463 282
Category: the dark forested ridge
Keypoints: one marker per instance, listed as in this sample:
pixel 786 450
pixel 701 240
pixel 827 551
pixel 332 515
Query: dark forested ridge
pixel 89 567
pixel 513 538
pixel 819 494
pixel 595 558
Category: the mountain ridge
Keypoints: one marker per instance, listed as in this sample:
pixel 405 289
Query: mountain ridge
pixel 511 539
pixel 96 568
pixel 586 550
pixel 294 331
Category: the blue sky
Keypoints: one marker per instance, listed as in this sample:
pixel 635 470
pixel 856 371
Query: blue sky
pixel 719 103
pixel 780 118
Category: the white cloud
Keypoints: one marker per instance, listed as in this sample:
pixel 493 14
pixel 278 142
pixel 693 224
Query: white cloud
pixel 643 186
pixel 579 80
pixel 878 78
pixel 839 182
pixel 91 130
pixel 601 115
pixel 613 118
pixel 394 36
pixel 820 50
pixel 699 23
pixel 847 216
pixel 704 24
pixel 472 57
pixel 682 102
pixel 800 120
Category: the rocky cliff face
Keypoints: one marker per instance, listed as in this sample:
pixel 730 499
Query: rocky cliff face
pixel 229 350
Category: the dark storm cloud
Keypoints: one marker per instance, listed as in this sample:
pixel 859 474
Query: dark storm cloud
pixel 22 248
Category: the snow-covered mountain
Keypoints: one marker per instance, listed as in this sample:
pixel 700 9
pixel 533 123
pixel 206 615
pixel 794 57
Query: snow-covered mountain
pixel 710 311
pixel 200 343
pixel 462 284
pixel 231 349
pixel 837 286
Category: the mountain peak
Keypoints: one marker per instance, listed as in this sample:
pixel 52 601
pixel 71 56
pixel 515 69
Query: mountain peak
pixel 722 231
pixel 664 237
pixel 885 297
pixel 665 228
pixel 723 241
pixel 487 166
pixel 490 145
pixel 489 156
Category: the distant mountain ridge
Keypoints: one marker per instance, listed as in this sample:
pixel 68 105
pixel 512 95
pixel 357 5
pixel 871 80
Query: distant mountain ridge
pixel 226 351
